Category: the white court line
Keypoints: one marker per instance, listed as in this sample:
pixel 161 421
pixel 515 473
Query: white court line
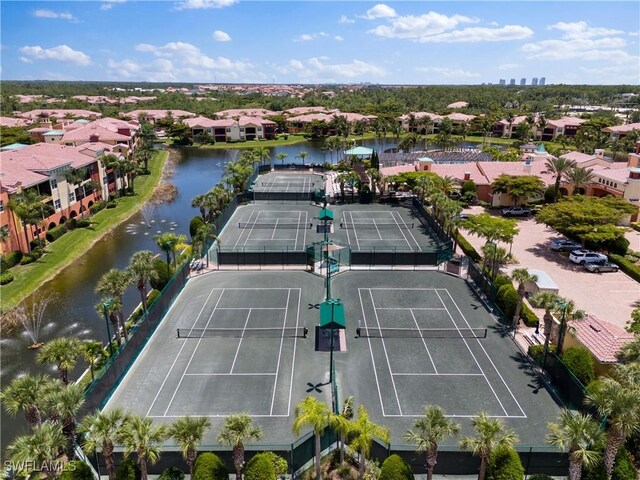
pixel 373 362
pixel 355 230
pixel 488 357
pixel 193 354
pixel 400 228
pixel 424 342
pixel 450 416
pixel 253 224
pixel 438 374
pixel 408 229
pixel 474 357
pixel 229 374
pixel 306 221
pixel 246 322
pixel 293 359
pixel 179 352
pixel 275 228
pixel 408 308
pixel 249 308
pixel 275 380
pixel 242 232
pixel 295 245
pixel 377 229
pixel 218 416
pixel 344 220
pixel 384 347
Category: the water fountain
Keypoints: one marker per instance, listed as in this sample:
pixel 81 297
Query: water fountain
pixel 31 317
pixel 147 211
pixel 231 154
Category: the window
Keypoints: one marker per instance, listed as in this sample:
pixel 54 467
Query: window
pixel 54 183
pixel 105 180
pixel 242 129
pixel 1 206
pixel 259 129
pixel 228 130
pixel 72 197
pixel 57 205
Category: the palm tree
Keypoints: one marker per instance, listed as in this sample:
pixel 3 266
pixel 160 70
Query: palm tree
pixel 139 435
pixel 76 176
pixel 198 202
pixel 364 431
pixel 579 177
pixel 491 434
pixel 444 184
pixel 91 351
pixel 541 124
pixel 341 423
pixel 548 301
pixel 31 210
pixel 236 431
pixel 110 307
pixel 522 276
pixel 302 156
pixel 494 257
pixel 5 233
pixel 100 431
pixel 188 432
pixel 431 429
pixel 263 154
pixel 23 394
pixel 167 242
pixel 510 118
pixel 43 445
pixel 63 352
pixel 353 179
pixel 423 187
pixel 618 402
pixel 281 156
pixel 114 283
pixel 559 167
pixel 141 269
pixel 66 402
pixel 579 434
pixel 312 413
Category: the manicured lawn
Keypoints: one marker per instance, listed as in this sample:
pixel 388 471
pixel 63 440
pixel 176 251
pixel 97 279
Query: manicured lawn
pixel 74 244
pixel 291 140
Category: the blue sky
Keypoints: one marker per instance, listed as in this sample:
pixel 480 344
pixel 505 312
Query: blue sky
pixel 571 42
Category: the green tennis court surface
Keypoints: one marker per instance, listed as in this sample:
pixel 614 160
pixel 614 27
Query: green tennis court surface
pixel 222 363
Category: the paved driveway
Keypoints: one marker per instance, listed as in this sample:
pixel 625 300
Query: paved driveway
pixel 610 296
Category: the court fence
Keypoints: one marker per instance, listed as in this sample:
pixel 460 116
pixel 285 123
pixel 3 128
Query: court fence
pixel 108 378
pixel 261 257
pixel 300 456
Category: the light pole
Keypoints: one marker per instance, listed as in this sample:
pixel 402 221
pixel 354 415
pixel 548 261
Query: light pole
pixel 169 248
pixel 105 309
pixel 563 325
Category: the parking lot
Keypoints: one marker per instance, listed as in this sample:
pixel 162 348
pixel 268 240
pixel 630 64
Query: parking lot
pixel 610 296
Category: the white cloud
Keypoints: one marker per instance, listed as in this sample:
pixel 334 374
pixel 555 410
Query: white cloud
pixel 338 38
pixel 108 4
pixel 380 11
pixel 579 30
pixel 26 60
pixel 307 37
pixel 508 66
pixel 220 36
pixel 43 13
pixel 318 69
pixel 62 53
pixel 448 72
pixel 345 19
pixel 204 4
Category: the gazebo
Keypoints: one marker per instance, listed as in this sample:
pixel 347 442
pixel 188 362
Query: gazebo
pixel 359 152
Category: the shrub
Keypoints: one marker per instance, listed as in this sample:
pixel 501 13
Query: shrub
pixel 128 470
pixel 395 468
pixel 504 464
pixel 194 225
pixel 171 473
pixel 526 314
pixel 469 186
pixel 83 223
pixel 626 266
pixel 259 468
pixel 56 232
pixel 209 466
pixel 623 468
pixel 153 294
pixel 28 258
pixel 280 465
pixel 467 248
pixel 549 194
pixel 6 277
pixel 76 470
pixel 579 361
pixel 96 207
pixel 160 267
pixel 507 299
pixel 11 259
pixel 111 204
pixel 537 352
pixel 540 476
pixel 37 243
pixel 501 280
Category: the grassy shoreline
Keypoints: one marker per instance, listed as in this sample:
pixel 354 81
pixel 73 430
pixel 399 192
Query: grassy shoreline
pixel 71 246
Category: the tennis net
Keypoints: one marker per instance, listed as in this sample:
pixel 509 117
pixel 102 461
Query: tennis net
pixel 421 333
pixel 378 225
pixel 274 225
pixel 290 185
pixel 254 332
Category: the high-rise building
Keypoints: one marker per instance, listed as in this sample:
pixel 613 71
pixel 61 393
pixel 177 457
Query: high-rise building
pixel 503 81
pixel 542 80
pixel 523 82
pixel 512 81
pixel 534 81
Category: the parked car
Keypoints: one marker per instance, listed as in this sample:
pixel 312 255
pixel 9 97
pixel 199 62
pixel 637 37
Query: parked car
pixel 586 256
pixel 516 212
pixel 598 267
pixel 564 245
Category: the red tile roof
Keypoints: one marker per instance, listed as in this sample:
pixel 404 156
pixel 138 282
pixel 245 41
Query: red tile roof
pixel 103 134
pixel 603 339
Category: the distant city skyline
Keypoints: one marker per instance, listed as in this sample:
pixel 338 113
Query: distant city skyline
pixel 230 41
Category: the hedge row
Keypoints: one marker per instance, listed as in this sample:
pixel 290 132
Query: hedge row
pixel 10 260
pixel 56 232
pixel 395 468
pixel 6 277
pixel 626 266
pixel 209 466
pixel 27 258
pixel 507 301
pixel 96 207
pixel 579 361
pixel 467 248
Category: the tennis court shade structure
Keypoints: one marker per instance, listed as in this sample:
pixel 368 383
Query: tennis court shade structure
pixel 241 347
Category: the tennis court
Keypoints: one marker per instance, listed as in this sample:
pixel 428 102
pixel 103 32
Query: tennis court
pixel 242 347
pixel 288 182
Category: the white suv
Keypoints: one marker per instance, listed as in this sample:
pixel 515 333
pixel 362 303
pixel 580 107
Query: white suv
pixel 586 256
